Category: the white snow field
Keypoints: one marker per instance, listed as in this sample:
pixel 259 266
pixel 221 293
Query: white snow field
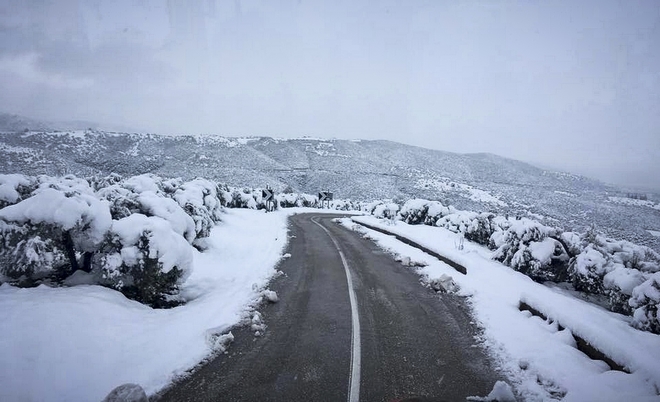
pixel 78 343
pixel 541 361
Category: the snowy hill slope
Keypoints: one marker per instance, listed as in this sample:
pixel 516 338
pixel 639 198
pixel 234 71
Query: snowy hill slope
pixel 16 123
pixel 361 170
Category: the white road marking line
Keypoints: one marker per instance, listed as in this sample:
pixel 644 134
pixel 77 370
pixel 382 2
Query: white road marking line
pixel 354 377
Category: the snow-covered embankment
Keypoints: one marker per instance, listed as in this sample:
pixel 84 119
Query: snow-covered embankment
pixel 541 360
pixel 79 343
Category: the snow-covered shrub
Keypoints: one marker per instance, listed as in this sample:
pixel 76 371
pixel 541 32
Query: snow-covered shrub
pixel 588 269
pixel 200 200
pixel 145 259
pixel 123 202
pixel 307 200
pixel 242 199
pixel 192 208
pixel 619 284
pixel 599 256
pixel 419 211
pixel 98 183
pixel 645 300
pixel 29 253
pixel 287 200
pixel 64 215
pixel 613 268
pixel 385 210
pixel 153 204
pixel 144 182
pixel 170 186
pixel 474 226
pixel 531 248
pixel 14 188
pixel 541 260
pixel 344 205
pixel 571 242
pixel 131 234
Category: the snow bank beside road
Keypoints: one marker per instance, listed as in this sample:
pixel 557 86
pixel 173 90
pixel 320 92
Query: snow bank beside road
pixel 79 343
pixel 542 361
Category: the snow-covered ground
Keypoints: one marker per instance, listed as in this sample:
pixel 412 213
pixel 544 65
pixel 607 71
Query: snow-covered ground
pixel 445 184
pixel 542 362
pixel 78 343
pixel 634 202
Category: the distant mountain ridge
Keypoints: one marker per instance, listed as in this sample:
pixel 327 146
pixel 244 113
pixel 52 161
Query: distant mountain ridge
pixel 356 169
pixel 16 123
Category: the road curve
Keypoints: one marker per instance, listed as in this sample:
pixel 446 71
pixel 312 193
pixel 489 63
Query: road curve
pixel 412 342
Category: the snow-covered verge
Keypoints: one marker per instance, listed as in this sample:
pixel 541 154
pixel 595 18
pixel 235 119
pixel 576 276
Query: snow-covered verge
pixel 624 275
pixel 540 359
pixel 78 343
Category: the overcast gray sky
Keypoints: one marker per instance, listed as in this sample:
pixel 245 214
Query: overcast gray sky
pixel 569 84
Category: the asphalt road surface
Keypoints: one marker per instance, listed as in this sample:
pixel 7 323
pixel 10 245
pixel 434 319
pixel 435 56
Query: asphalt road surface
pixel 383 338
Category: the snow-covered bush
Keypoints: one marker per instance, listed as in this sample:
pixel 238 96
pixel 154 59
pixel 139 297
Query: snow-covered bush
pixel 14 188
pixel 192 208
pixel 419 211
pixel 131 234
pixel 244 198
pixel 344 205
pixel 645 300
pixel 98 183
pixel 474 226
pixel 200 200
pixel 291 200
pixel 145 259
pixel 612 267
pixel 588 269
pixel 531 248
pixel 29 253
pixel 287 200
pixel 619 284
pixel 385 210
pixel 61 215
pixel 123 202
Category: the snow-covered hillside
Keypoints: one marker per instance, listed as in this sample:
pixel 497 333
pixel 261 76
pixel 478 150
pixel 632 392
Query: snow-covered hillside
pixel 358 170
